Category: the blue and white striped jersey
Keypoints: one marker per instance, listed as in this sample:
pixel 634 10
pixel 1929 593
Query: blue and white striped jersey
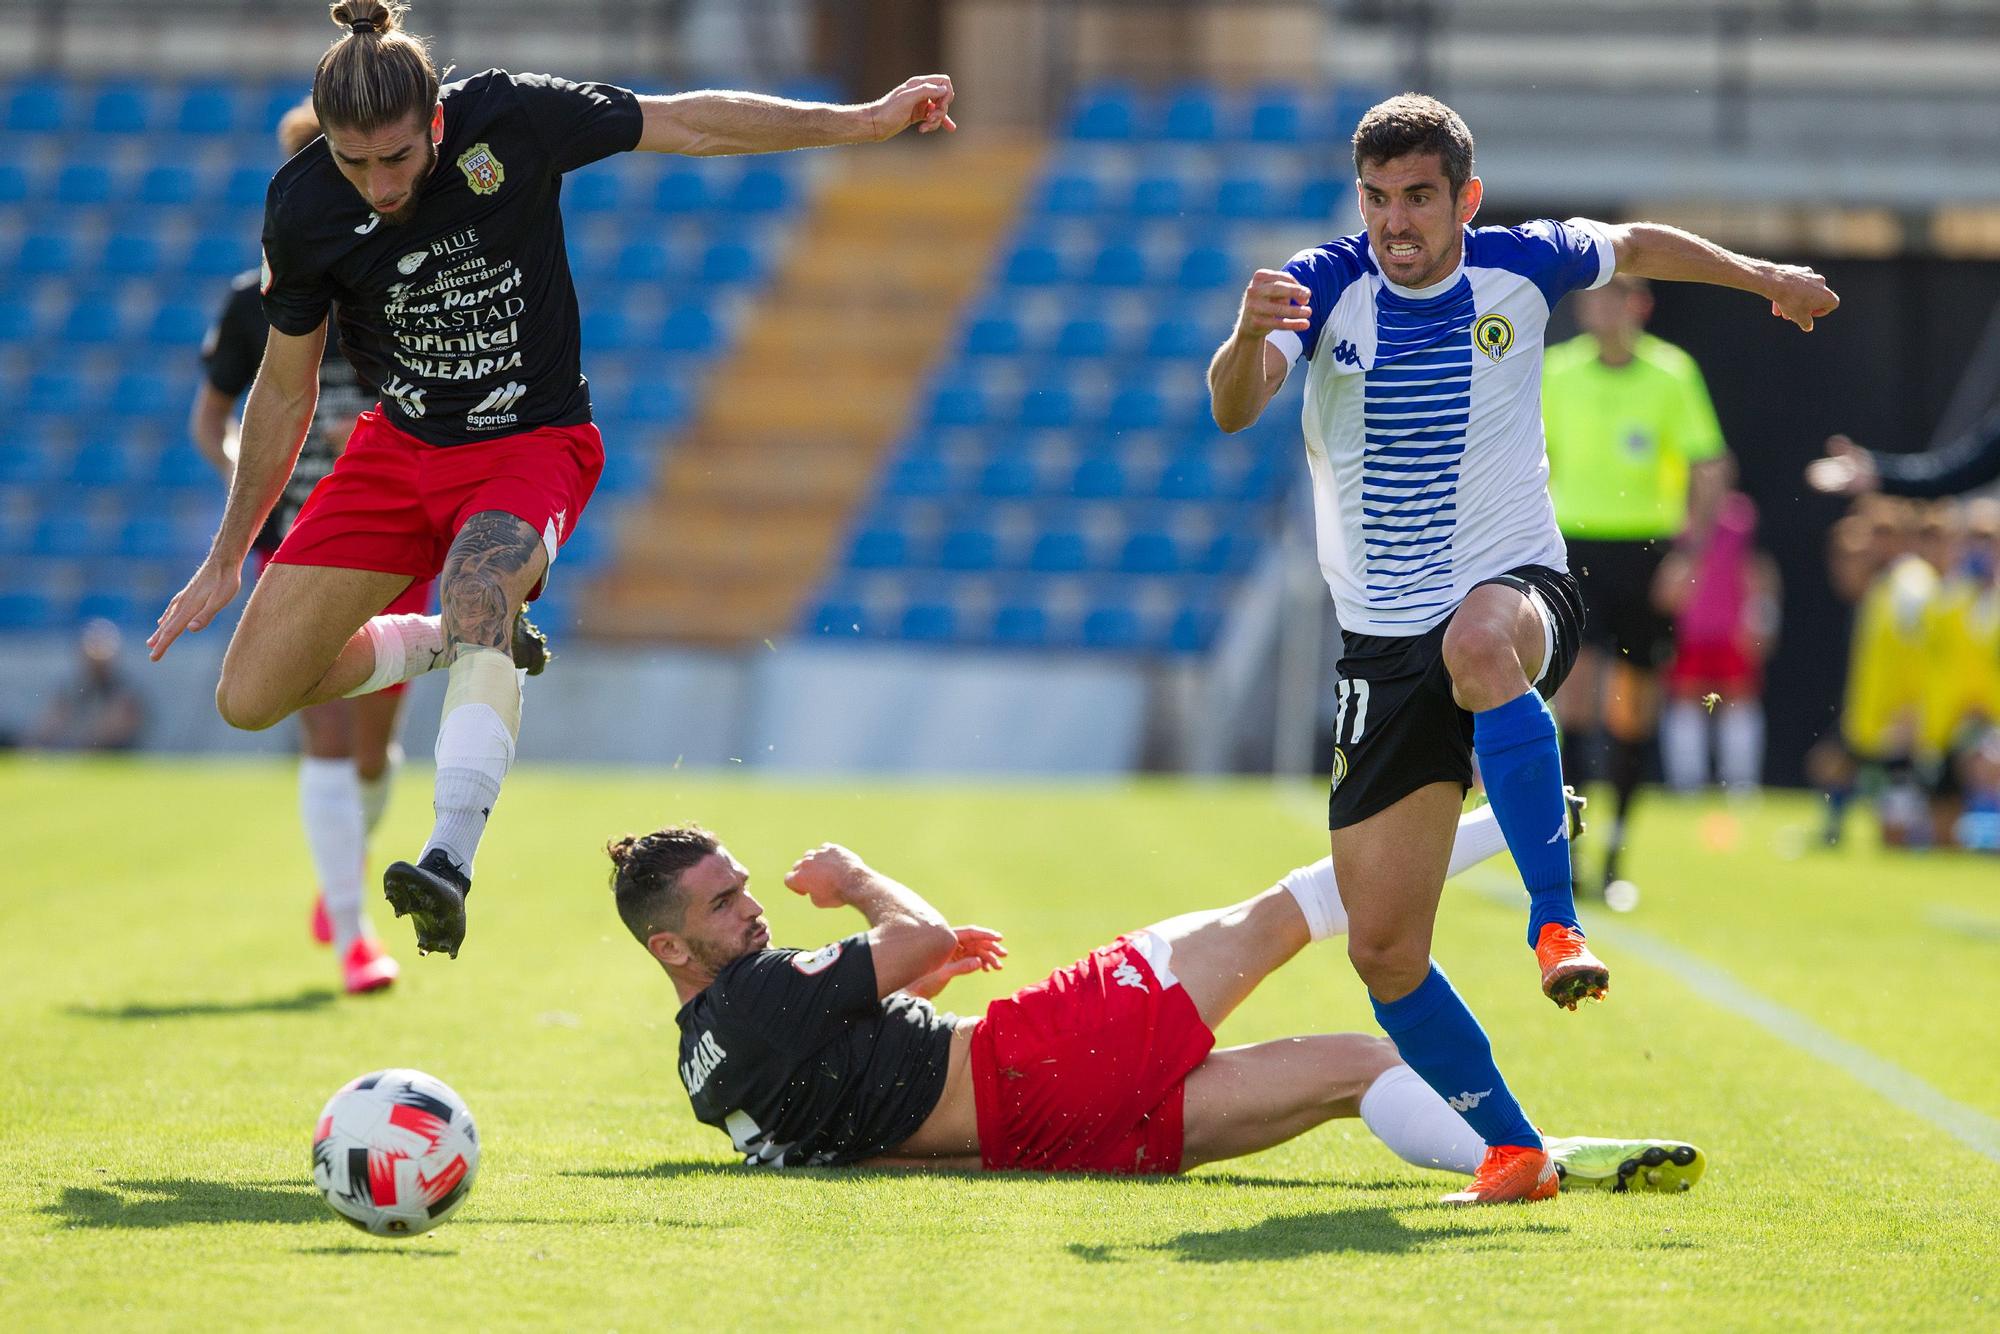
pixel 1423 417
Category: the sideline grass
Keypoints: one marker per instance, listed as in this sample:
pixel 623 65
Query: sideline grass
pixel 169 1034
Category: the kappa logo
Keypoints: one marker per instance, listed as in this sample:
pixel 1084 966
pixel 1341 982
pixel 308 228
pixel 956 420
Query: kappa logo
pixel 1465 1102
pixel 1562 832
pixel 411 262
pixel 562 523
pixel 1346 354
pixel 1125 975
pixel 483 171
pixel 1493 335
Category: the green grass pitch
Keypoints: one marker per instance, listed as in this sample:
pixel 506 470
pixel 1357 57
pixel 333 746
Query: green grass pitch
pixel 168 1033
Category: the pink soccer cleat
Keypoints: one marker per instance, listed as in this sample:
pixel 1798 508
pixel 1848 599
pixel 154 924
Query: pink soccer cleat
pixel 322 925
pixel 366 968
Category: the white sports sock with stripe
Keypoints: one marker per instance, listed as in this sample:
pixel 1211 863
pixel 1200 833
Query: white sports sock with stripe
pixel 330 808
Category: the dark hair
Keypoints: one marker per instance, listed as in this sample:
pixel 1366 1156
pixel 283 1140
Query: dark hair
pixel 646 876
pixel 376 74
pixel 1415 123
pixel 299 127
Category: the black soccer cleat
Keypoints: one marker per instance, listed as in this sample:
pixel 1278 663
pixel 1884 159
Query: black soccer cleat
pixel 432 894
pixel 530 647
pixel 1574 802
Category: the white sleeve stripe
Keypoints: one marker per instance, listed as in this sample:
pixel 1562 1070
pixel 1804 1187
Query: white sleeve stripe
pixel 1607 254
pixel 1288 342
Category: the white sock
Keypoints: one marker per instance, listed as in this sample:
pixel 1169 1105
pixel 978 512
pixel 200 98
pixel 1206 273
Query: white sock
pixel 1318 894
pixel 1418 1126
pixel 406 646
pixel 375 791
pixel 1742 743
pixel 475 748
pixel 330 807
pixel 1684 745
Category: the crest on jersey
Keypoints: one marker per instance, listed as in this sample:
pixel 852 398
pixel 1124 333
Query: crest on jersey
pixel 1339 767
pixel 483 171
pixel 818 961
pixel 1493 335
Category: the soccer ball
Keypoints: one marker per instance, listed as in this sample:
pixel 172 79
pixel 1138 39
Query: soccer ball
pixel 395 1152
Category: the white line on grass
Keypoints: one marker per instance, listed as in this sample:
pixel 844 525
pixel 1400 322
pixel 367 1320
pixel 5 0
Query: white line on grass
pixel 1969 1126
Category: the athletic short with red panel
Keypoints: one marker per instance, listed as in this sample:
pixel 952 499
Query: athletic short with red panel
pixel 1086 1070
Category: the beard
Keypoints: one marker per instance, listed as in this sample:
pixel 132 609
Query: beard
pixel 714 956
pixel 407 214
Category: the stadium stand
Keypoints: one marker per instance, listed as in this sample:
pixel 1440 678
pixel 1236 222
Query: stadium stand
pixel 1061 484
pixel 126 205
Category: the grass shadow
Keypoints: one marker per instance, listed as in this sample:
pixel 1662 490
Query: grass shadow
pixel 672 1169
pixel 313 998
pixel 161 1203
pixel 1372 1230
pixel 389 1246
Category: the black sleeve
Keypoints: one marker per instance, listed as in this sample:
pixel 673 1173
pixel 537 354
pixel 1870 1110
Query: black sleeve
pixel 579 123
pixel 296 296
pixel 1964 464
pixel 797 999
pixel 234 346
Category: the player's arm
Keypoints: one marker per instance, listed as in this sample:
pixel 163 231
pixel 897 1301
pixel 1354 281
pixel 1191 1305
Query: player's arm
pixel 1668 254
pixel 712 124
pixel 907 937
pixel 212 424
pixel 1964 464
pixel 1247 371
pixel 275 421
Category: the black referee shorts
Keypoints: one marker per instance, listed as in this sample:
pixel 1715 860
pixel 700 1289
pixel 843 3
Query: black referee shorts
pixel 1396 727
pixel 1617 583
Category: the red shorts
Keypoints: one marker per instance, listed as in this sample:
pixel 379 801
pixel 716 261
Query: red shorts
pixel 1086 1070
pixel 1722 668
pixel 412 601
pixel 393 503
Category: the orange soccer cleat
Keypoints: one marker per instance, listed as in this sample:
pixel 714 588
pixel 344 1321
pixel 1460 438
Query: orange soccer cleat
pixel 322 925
pixel 1570 972
pixel 367 968
pixel 1510 1174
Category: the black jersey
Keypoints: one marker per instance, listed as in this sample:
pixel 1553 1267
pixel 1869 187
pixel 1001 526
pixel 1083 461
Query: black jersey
pixel 791 1053
pixel 465 315
pixel 230 356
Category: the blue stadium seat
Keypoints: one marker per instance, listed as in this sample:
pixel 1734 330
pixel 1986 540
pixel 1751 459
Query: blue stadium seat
pixel 1084 338
pixel 729 262
pixel 1018 625
pixel 1191 117
pixel 1158 197
pixel 38 106
pixel 245 187
pixel 1034 266
pixel 1229 552
pixel 17 319
pixel 969 549
pixel 1148 552
pixel 839 619
pixel 1048 407
pixel 1059 552
pixel 1114 628
pixel 1193 629
pixel 761 190
pixel 1098 477
pixel 606 328
pixel 957 405
pixel 1136 409
pixel 169 184
pixel 681 191
pixel 1319 198
pixel 279 98
pixel 929 623
pixel 1239 197
pixel 64 537
pixel 596 191
pixel 180 324
pixel 1275 119
pixel 1071 196
pixel 1119 265
pixel 92 321
pixel 1008 477
pixel 687 328
pixel 1107 114
pixel 918 475
pixel 131 255
pixel 1187 476
pixel 181 467
pixel 221 255
pixel 880 549
pixel 642 261
pixel 13 183
pixel 26 460
pixel 117 605
pixel 655 401
pixel 54 393
pixel 1207 266
pixel 145 393
pixel 626 471
pixel 84 183
pixel 206 108
pixel 993 336
pixel 1172 337
pixel 150 537
pixel 45 254
pixel 26 610
pixel 121 108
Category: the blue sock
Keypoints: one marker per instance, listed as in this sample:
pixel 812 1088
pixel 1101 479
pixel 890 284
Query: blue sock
pixel 1522 766
pixel 1441 1041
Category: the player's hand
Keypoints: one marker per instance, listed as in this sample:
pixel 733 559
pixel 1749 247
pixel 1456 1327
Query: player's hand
pixel 213 587
pixel 924 102
pixel 1847 469
pixel 931 983
pixel 1274 300
pixel 1800 295
pixel 825 875
pixel 978 949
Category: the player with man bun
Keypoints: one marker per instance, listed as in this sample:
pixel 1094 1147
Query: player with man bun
pixel 427 220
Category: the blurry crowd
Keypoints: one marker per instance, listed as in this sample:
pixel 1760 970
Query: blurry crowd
pixel 1919 735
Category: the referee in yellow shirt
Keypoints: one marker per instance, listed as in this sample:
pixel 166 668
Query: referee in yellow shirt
pixel 1636 462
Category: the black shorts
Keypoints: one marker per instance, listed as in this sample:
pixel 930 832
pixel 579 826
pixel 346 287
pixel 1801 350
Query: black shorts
pixel 1397 727
pixel 1617 583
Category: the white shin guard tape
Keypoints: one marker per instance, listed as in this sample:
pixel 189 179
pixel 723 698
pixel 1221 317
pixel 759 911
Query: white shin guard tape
pixel 484 676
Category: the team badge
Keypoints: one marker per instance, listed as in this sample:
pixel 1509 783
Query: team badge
pixel 1493 335
pixel 818 961
pixel 1339 767
pixel 483 171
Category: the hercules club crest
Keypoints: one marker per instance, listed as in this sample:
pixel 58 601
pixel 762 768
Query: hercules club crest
pixel 483 171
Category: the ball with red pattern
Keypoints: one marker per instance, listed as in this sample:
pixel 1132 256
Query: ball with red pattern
pixel 395 1152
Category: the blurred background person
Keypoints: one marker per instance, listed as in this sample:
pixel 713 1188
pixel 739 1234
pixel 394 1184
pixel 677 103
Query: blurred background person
pixel 99 710
pixel 1636 459
pixel 1725 599
pixel 348 746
